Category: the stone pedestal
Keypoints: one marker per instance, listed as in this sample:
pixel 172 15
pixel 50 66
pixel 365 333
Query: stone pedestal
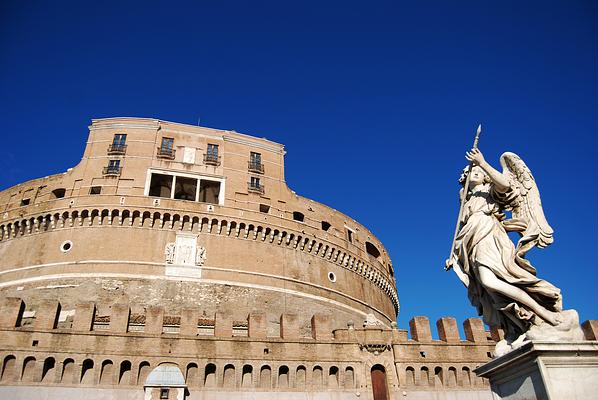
pixel 545 371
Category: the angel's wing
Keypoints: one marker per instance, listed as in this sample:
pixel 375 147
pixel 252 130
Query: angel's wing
pixel 527 209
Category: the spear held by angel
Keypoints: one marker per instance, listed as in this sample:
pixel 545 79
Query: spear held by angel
pixel 501 283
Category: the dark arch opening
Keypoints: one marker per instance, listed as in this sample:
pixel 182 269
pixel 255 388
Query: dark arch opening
pixel 372 250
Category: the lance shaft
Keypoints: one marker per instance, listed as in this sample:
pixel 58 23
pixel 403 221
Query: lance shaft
pixel 464 195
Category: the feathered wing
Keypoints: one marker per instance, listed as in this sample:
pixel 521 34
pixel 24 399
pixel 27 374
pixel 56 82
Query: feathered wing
pixel 528 215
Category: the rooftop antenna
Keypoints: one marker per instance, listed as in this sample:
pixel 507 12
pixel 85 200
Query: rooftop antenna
pixel 198 120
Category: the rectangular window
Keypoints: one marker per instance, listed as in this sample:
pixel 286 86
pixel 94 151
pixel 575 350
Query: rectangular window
pixel 209 191
pixel 167 144
pixel 255 158
pixel 161 185
pixel 119 140
pixel 185 188
pixel 350 235
pixel 95 190
pixel 25 202
pixel 166 149
pixel 255 163
pixel 213 150
pixel 113 168
pixel 163 393
pixel 255 182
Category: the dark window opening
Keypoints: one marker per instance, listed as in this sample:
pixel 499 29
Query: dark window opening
pixel 297 216
pixel 95 190
pixel 211 156
pixel 209 191
pixel 391 270
pixel 264 208
pixel 255 163
pixel 160 185
pixel 164 393
pixel 325 225
pixel 185 188
pixel 350 235
pixel 372 250
pixel 35 343
pixel 25 202
pixel 59 193
pixel 254 185
pixel 113 168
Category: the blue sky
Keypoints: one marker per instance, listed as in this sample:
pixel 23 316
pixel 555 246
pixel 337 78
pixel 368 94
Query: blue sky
pixel 376 103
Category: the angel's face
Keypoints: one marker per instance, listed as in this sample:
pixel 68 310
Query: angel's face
pixel 477 176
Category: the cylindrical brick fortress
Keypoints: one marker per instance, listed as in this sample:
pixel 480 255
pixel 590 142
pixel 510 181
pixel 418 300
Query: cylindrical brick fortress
pixel 185 216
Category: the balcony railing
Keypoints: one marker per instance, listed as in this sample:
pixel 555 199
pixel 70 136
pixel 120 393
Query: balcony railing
pixel 254 166
pixel 211 159
pixel 255 187
pixel 112 171
pixel 117 148
pixel 165 152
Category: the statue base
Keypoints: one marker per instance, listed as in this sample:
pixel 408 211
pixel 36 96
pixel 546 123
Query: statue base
pixel 545 371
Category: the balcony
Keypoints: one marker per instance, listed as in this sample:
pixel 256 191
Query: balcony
pixel 255 187
pixel 256 167
pixel 211 159
pixel 165 152
pixel 111 171
pixel 117 149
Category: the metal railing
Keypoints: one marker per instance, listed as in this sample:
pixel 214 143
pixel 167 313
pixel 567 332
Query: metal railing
pixel 254 166
pixel 112 171
pixel 211 159
pixel 255 187
pixel 165 152
pixel 117 148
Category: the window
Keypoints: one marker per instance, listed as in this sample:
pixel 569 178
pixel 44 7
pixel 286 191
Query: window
pixel 164 393
pixel 182 187
pixel 59 193
pixel 25 202
pixel 161 185
pixel 297 216
pixel 209 191
pixel 211 157
pixel 325 225
pixel 166 149
pixel 349 235
pixel 255 163
pixel 118 145
pixel 372 250
pixel 264 208
pixel 254 185
pixel 113 168
pixel 95 190
pixel 185 188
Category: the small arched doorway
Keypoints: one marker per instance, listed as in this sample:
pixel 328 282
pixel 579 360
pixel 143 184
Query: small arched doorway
pixel 379 386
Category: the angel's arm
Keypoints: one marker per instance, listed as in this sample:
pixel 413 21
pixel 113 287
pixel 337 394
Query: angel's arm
pixel 500 181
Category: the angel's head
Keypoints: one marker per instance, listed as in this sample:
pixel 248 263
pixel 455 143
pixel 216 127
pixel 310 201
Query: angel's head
pixel 478 176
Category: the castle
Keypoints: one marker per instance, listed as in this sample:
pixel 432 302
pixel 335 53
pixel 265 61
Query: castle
pixel 174 263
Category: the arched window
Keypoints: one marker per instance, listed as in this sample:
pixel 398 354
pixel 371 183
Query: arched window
pixel 107 372
pixel 229 376
pixel 333 377
pixel 8 369
pixel 372 250
pixel 349 378
pixel 28 369
pixel 265 377
pixel 410 376
pixel 124 375
pixel 424 379
pixel 68 371
pixel 48 369
pixel 87 372
pixel 438 376
pixel 300 377
pixel 317 376
pixel 452 377
pixel 210 376
pixel 283 377
pixel 144 370
pixel 191 374
pixel 466 376
pixel 247 377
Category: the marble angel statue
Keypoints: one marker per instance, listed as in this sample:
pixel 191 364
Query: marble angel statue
pixel 501 283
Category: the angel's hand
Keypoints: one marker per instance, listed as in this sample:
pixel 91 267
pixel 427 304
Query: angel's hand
pixel 475 156
pixel 448 264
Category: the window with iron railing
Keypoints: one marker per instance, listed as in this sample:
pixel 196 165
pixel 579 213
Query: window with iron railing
pixel 113 168
pixel 254 185
pixel 255 163
pixel 118 145
pixel 211 157
pixel 166 149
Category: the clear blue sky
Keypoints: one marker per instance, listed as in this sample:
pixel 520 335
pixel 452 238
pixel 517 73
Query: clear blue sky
pixel 376 103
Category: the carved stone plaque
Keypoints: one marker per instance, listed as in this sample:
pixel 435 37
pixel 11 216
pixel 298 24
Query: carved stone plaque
pixel 184 257
pixel 189 155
